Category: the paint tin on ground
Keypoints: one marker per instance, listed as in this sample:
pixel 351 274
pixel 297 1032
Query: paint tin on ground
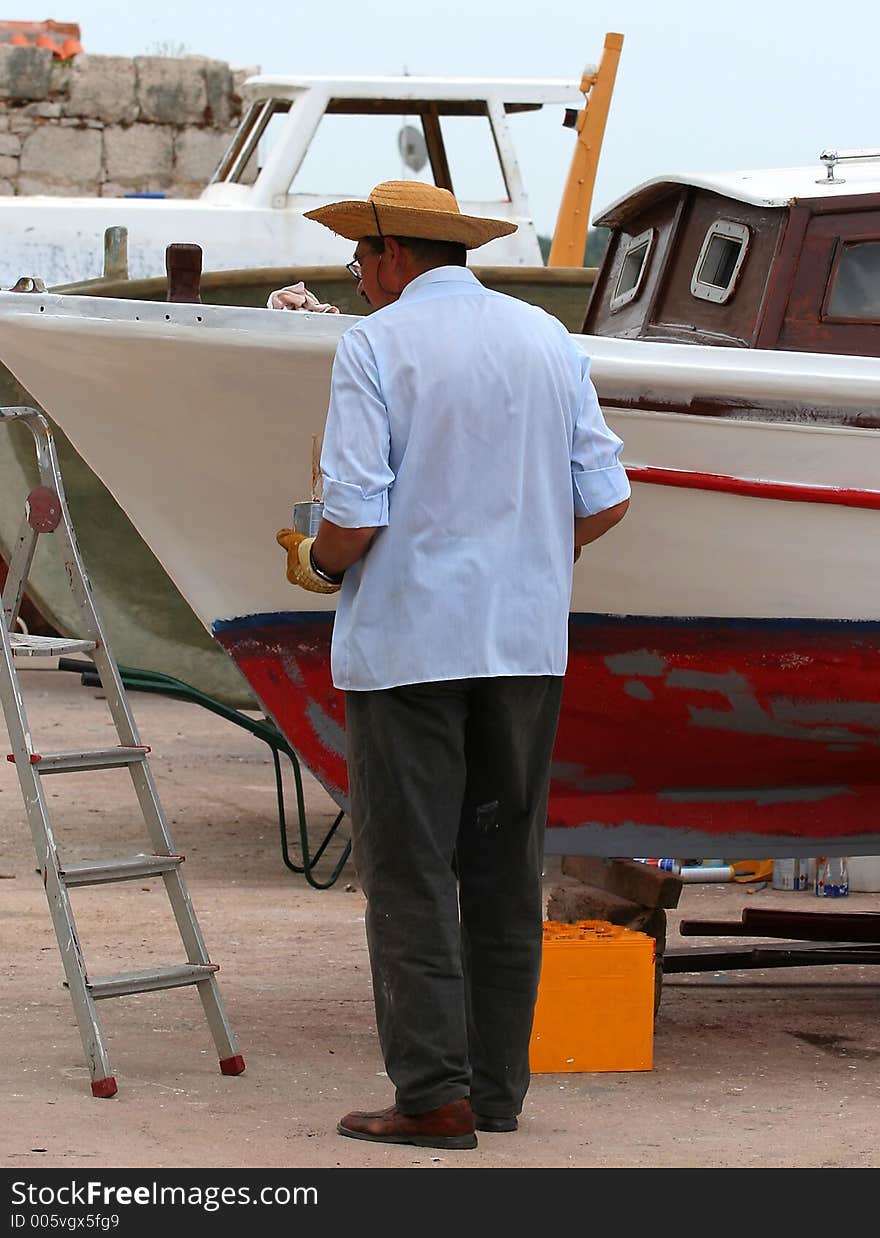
pixel 307 517
pixel 794 874
pixel 806 877
pixel 785 874
pixel 864 873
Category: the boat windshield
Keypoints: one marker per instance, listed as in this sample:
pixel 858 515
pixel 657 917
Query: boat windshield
pixel 360 142
pixel 254 135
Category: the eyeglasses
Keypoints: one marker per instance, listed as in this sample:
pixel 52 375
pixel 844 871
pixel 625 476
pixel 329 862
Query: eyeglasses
pixel 354 268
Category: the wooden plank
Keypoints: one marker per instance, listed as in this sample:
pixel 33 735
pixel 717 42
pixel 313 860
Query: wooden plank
pixel 640 883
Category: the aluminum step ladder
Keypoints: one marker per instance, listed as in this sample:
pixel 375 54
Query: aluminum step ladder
pixel 46 512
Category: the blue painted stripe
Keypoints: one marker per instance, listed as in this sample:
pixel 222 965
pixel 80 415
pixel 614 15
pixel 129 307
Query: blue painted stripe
pixel 290 618
pixel 714 622
pixel 272 619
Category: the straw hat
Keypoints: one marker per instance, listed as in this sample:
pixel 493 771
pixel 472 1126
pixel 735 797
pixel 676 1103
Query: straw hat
pixel 409 208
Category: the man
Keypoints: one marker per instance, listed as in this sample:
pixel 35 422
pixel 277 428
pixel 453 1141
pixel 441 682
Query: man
pixel 465 463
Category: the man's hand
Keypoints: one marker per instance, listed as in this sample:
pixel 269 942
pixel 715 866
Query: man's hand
pixel 299 565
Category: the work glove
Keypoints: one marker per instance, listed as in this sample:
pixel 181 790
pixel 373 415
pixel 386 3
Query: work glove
pixel 299 566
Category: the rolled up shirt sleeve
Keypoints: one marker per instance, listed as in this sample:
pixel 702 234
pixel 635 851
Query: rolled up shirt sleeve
pixel 599 480
pixel 354 457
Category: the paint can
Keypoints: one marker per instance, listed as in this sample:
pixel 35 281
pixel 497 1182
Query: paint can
pixel 785 874
pixel 864 874
pixel 807 875
pixel 794 874
pixel 307 517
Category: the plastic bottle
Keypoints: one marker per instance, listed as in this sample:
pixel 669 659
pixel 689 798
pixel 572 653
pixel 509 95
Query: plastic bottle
pixel 832 876
pixel 706 872
pixel 665 865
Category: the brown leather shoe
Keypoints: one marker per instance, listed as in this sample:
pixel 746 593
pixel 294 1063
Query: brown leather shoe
pixel 450 1126
pixel 498 1126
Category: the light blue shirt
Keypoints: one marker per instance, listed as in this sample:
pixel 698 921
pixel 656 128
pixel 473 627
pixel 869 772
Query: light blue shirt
pixel 462 422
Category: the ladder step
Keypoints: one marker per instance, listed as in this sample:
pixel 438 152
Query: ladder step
pixel 47 646
pixel 99 872
pixel 147 981
pixel 97 758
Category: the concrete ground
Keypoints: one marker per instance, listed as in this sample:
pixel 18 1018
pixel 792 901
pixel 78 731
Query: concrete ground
pixel 751 1068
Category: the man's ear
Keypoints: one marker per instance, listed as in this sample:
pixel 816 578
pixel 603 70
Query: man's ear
pixel 393 249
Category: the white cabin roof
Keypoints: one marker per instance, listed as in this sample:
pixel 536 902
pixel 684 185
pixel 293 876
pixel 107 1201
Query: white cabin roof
pixel 507 90
pixel 761 187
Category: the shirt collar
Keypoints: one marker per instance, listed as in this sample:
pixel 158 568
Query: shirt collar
pixel 441 275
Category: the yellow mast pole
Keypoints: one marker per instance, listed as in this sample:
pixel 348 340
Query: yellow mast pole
pixel 570 235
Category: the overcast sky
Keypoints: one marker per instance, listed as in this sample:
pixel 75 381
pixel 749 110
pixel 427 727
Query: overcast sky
pixel 703 84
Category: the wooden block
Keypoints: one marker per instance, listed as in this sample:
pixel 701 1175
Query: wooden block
pixel 640 883
pixel 571 901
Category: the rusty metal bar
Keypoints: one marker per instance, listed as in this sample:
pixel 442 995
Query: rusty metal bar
pixel 862 926
pixel 776 954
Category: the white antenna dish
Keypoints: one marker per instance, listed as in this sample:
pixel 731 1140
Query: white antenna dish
pixel 413 151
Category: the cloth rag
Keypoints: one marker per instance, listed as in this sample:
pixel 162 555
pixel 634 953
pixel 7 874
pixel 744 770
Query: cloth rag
pixel 298 297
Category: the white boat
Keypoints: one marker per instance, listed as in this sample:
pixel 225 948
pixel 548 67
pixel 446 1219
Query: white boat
pixel 251 213
pixel 250 218
pixel 723 692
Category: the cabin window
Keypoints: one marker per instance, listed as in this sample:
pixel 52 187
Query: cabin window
pixel 854 286
pixel 249 148
pixel 721 257
pixel 632 270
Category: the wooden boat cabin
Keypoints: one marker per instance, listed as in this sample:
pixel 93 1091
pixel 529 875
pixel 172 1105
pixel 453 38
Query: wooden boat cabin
pixel 786 258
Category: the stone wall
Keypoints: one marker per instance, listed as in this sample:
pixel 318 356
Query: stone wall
pixel 106 126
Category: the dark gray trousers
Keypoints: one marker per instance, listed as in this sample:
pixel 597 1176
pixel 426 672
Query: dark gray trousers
pixel 449 785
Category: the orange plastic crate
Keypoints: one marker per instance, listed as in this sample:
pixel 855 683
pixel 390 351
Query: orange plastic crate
pixel 595 1008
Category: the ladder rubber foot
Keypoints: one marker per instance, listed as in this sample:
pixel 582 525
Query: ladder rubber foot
pixel 232 1065
pixel 104 1088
